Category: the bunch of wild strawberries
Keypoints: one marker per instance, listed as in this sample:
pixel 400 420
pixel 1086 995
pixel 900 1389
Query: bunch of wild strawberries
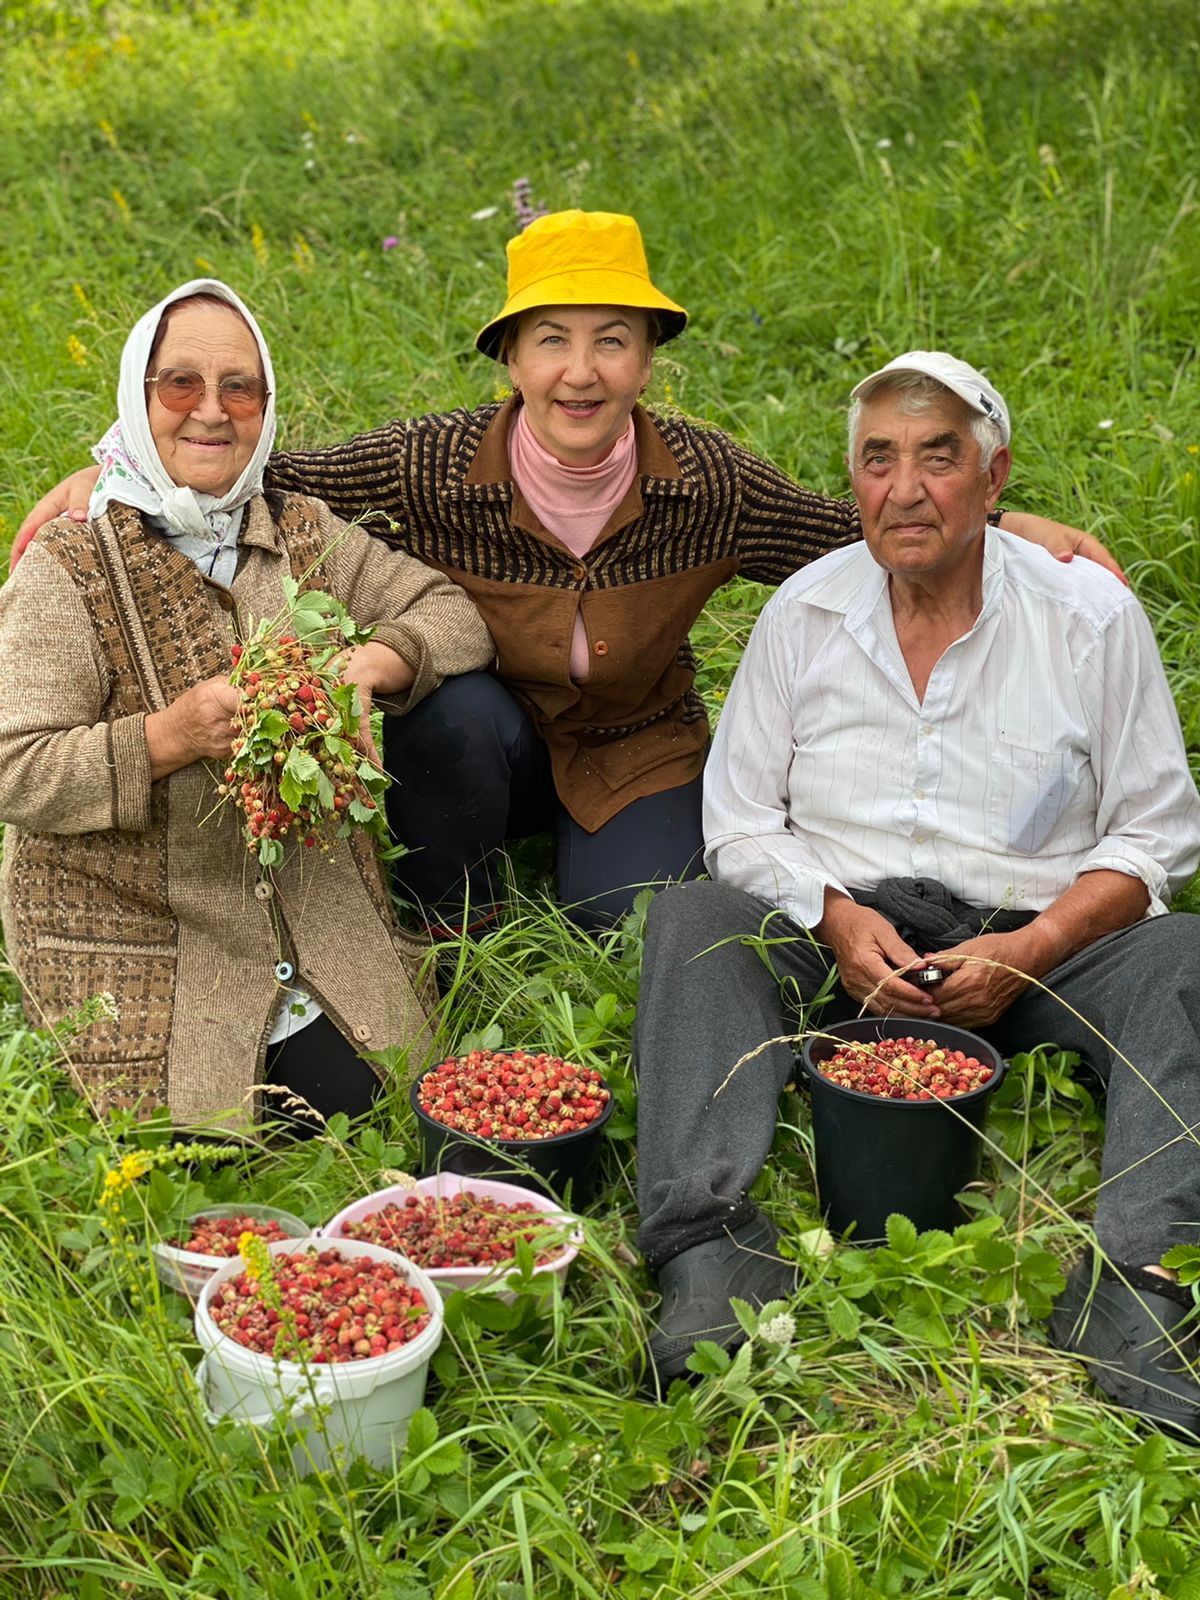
pixel 509 1094
pixel 906 1069
pixel 340 1308
pixel 460 1230
pixel 296 772
pixel 218 1236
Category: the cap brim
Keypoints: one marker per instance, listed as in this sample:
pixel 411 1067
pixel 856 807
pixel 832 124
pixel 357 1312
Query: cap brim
pixel 607 287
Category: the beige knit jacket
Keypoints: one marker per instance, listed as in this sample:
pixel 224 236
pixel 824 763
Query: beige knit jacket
pixel 111 882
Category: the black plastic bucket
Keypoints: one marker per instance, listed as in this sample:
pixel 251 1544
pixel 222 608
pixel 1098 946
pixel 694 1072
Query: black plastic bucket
pixel 876 1156
pixel 565 1166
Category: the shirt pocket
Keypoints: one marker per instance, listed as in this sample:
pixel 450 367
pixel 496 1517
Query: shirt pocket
pixel 1038 795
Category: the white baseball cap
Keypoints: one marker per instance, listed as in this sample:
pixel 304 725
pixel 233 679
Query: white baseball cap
pixel 970 386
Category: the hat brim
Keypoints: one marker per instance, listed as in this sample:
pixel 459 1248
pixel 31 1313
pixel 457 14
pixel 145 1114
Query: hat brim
pixel 593 287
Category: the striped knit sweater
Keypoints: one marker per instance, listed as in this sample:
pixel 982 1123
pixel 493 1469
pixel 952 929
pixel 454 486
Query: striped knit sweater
pixel 701 509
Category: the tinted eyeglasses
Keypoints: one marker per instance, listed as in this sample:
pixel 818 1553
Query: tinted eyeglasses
pixel 180 389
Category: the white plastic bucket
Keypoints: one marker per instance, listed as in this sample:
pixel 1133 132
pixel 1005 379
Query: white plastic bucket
pixel 365 1404
pixel 189 1270
pixel 442 1185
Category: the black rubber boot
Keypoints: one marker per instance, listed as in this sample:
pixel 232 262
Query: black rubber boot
pixel 1137 1342
pixel 697 1286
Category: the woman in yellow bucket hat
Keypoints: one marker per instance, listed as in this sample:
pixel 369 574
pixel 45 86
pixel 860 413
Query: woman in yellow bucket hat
pixel 590 533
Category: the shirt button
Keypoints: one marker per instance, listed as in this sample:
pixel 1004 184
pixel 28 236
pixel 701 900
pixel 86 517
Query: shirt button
pixel 361 1032
pixel 579 570
pixel 601 648
pixel 918 794
pixel 927 727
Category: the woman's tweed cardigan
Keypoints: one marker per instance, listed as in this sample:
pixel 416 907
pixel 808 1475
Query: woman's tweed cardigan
pixel 112 882
pixel 701 509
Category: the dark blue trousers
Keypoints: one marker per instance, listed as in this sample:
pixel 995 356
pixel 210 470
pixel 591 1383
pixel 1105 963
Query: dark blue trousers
pixel 469 773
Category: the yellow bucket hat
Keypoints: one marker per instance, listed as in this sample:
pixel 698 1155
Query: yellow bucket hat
pixel 579 258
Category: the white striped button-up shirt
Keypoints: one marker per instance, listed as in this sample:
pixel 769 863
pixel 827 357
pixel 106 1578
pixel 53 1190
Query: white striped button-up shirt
pixel 1047 743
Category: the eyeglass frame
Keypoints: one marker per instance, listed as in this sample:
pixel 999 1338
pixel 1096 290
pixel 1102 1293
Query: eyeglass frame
pixel 181 410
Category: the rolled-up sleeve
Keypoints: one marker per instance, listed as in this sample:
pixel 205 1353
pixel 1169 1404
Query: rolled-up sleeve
pixel 62 769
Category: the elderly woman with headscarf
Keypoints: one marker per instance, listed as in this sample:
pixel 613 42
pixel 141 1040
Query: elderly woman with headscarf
pixel 121 873
pixel 590 532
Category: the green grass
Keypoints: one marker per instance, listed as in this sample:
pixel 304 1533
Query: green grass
pixel 822 184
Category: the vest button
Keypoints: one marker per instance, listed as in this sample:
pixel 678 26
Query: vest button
pixel 579 571
pixel 600 647
pixel 361 1032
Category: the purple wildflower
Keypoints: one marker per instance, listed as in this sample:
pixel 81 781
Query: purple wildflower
pixel 390 242
pixel 526 207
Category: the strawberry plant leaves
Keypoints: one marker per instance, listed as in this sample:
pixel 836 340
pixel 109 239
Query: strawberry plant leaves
pixel 302 768
pixel 901 1236
pixel 845 1319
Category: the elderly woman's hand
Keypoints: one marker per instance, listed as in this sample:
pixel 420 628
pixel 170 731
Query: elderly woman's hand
pixel 195 727
pixel 374 668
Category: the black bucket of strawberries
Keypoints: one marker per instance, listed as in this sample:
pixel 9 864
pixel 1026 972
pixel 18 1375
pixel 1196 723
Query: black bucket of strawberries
pixel 521 1115
pixel 897 1120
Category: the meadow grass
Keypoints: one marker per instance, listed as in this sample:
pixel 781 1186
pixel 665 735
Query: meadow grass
pixel 822 184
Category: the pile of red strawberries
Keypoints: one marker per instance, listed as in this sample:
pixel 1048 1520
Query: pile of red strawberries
pixel 218 1236
pixel 510 1094
pixel 296 772
pixel 906 1069
pixel 334 1307
pixel 461 1230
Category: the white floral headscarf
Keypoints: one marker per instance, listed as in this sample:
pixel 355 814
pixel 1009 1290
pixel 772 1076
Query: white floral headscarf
pixel 203 526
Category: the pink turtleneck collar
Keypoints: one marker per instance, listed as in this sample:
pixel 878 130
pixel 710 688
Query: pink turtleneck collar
pixel 572 503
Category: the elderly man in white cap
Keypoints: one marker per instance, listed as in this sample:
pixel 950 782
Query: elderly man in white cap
pixel 940 740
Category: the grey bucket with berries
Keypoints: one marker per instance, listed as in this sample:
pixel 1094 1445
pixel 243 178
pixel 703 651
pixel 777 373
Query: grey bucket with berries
pixel 336 1335
pixel 897 1119
pixel 522 1116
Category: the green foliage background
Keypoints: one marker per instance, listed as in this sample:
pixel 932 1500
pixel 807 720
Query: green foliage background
pixel 822 183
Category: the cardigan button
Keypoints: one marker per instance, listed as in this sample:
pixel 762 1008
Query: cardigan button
pixel 263 890
pixel 225 600
pixel 361 1032
pixel 601 648
pixel 579 570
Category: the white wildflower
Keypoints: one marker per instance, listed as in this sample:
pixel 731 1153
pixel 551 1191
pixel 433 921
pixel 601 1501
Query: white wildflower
pixel 484 213
pixel 779 1329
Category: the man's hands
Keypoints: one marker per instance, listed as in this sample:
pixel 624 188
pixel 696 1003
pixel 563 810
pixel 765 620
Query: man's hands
pixel 979 988
pixel 70 496
pixel 196 727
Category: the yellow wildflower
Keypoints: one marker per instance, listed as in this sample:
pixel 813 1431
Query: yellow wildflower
pixel 122 204
pixel 302 253
pixel 81 296
pixel 123 45
pixel 252 1248
pixel 77 350
pixel 259 241
pixel 205 264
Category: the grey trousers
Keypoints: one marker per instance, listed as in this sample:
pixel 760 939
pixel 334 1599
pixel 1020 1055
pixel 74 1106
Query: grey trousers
pixel 709 996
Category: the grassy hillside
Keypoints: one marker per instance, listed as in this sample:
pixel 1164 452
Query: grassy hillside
pixel 822 184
